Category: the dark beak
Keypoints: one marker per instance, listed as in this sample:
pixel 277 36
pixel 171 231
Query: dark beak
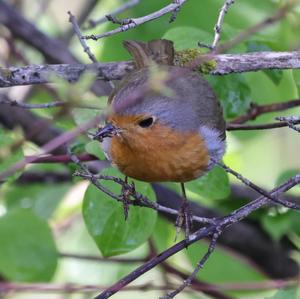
pixel 109 130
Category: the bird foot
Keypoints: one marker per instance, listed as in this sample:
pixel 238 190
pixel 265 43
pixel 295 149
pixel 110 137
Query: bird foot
pixel 126 192
pixel 184 219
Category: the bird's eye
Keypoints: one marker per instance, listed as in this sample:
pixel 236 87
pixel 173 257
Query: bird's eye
pixel 147 122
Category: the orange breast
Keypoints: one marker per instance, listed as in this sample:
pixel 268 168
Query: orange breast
pixel 159 154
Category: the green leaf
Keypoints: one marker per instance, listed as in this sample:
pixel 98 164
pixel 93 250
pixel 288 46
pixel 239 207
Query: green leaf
pixel 277 225
pixel 27 251
pixel 35 198
pixel 286 294
pixel 187 37
pixel 94 148
pixel 214 185
pixel 104 218
pixel 234 93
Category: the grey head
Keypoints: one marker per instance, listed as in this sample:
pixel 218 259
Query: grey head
pixel 185 103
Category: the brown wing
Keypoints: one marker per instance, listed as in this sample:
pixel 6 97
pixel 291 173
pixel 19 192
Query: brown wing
pixel 160 51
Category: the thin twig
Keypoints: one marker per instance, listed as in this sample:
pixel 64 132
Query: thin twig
pixel 257 110
pixel 84 14
pixel 139 199
pixel 58 158
pixel 239 286
pixel 277 16
pixel 69 288
pixel 84 45
pixel 291 121
pixel 138 21
pixel 101 259
pixel 241 127
pixel 285 203
pixel 218 26
pixel 197 285
pixel 174 13
pixel 86 49
pixel 199 266
pixel 120 9
pixel 6 101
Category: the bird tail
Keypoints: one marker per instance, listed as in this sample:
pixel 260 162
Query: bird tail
pixel 160 51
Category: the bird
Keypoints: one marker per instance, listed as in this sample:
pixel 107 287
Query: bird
pixel 164 122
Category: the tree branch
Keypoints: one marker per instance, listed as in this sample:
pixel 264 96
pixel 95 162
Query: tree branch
pixel 270 20
pixel 238 127
pixel 125 6
pixel 222 223
pixel 223 64
pixel 86 49
pixel 257 110
pixel 218 26
pixel 41 74
pixel 134 22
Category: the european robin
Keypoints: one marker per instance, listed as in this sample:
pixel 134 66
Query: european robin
pixel 164 121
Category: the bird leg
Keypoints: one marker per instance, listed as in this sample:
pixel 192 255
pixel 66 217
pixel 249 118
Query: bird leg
pixel 184 218
pixel 125 197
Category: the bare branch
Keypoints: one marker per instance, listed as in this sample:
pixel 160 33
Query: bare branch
pixel 138 199
pixel 84 13
pixel 86 49
pixel 285 203
pixel 40 74
pixel 277 16
pixel 58 158
pixel 222 223
pixel 257 110
pixel 93 258
pixel 199 266
pixel 13 103
pixel 291 122
pixel 125 6
pixel 241 127
pixel 138 21
pixel 69 288
pixel 223 64
pixel 218 26
pixel 83 43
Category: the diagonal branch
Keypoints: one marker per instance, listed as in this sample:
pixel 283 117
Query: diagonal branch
pixel 222 223
pixel 270 20
pixel 86 49
pixel 218 26
pixel 199 266
pixel 257 110
pixel 134 22
pixel 125 6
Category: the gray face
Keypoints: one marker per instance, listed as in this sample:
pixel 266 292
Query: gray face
pixel 190 104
